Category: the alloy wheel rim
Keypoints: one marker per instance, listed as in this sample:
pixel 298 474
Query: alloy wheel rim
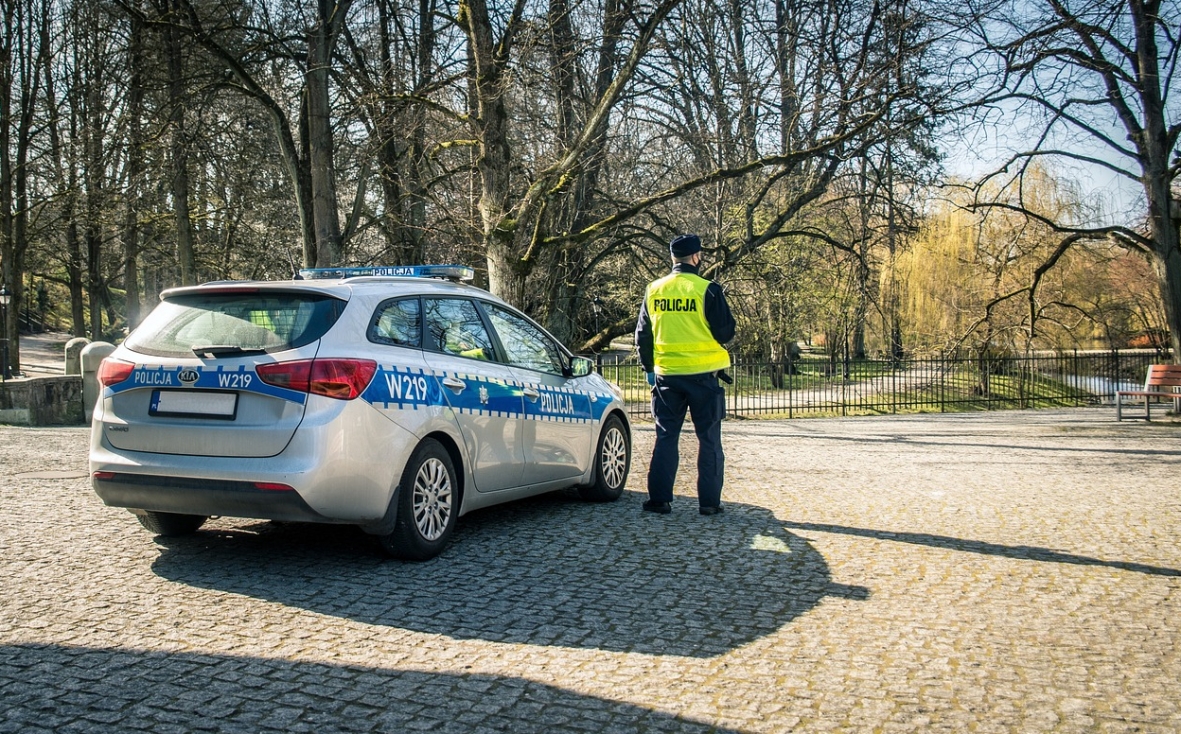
pixel 432 499
pixel 614 457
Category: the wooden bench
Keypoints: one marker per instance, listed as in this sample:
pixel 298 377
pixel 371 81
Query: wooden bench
pixel 1162 382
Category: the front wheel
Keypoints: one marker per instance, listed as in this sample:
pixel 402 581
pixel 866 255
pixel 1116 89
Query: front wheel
pixel 612 461
pixel 428 504
pixel 170 524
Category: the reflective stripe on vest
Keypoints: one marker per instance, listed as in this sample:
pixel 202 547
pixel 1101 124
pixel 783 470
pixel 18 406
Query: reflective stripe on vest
pixel 681 339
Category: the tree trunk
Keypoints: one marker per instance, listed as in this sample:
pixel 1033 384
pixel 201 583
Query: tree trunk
pixel 135 167
pixel 94 171
pixel 321 40
pixel 7 220
pixel 506 277
pixel 30 88
pixel 786 32
pixel 74 260
pixel 66 172
pixel 401 139
pixel 1155 143
pixel 178 149
pixel 1167 265
pixel 74 277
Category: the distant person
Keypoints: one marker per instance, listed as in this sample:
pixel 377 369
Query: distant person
pixel 458 341
pixel 684 323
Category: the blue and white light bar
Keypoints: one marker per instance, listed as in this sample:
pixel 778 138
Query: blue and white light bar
pixel 447 272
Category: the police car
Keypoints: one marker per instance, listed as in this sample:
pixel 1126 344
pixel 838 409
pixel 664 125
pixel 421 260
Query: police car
pixel 396 399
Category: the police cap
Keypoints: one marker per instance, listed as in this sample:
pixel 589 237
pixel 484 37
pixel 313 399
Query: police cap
pixel 684 245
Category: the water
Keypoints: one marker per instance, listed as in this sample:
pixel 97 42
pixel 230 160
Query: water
pixel 1097 385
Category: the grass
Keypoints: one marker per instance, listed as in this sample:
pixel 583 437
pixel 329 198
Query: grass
pixel 952 388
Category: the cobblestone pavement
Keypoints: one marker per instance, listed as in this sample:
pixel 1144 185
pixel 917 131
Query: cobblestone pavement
pixel 1014 571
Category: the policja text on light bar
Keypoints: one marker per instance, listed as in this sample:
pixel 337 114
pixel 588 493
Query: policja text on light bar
pixel 447 272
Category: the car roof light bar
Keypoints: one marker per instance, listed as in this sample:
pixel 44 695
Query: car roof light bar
pixel 446 272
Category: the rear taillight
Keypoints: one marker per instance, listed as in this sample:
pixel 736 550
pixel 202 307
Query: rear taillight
pixel 274 487
pixel 113 371
pixel 291 375
pixel 343 379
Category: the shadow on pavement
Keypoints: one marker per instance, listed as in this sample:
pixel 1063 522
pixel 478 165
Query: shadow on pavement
pixel 1022 552
pixel 972 440
pixel 57 688
pixel 546 571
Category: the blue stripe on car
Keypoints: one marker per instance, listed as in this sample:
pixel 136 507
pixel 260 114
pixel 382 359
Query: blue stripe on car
pixel 241 379
pixel 392 387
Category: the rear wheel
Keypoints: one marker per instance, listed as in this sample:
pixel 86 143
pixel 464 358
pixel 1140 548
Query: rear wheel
pixel 428 504
pixel 170 524
pixel 612 462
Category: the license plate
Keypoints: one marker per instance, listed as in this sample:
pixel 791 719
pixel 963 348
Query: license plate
pixel 194 404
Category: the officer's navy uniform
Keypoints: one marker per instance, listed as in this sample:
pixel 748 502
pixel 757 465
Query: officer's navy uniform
pixel 684 323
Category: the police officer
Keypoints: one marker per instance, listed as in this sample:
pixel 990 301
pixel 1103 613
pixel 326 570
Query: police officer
pixel 684 321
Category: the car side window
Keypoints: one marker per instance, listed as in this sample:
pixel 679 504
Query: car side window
pixel 454 326
pixel 525 345
pixel 397 323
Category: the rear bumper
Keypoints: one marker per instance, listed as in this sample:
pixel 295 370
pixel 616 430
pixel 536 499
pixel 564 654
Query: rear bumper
pixel 343 464
pixel 203 497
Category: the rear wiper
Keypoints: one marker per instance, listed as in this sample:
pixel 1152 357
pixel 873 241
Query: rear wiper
pixel 213 351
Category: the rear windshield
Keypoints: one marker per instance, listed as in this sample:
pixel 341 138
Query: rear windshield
pixel 223 324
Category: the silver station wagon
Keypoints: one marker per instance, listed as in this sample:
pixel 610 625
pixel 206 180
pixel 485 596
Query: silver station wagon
pixel 391 398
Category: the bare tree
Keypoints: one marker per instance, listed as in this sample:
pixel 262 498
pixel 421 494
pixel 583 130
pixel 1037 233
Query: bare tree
pixel 1098 81
pixel 394 74
pixel 178 140
pixel 308 156
pixel 830 90
pixel 20 83
pixel 325 30
pixel 62 181
pixel 513 216
pixel 133 186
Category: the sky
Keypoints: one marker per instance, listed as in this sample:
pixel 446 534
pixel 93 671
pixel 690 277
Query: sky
pixel 983 147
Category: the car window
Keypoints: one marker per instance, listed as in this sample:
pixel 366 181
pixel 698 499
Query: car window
pixel 454 326
pixel 525 345
pixel 250 321
pixel 397 323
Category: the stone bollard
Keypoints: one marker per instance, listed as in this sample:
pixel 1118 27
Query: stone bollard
pixel 91 356
pixel 74 349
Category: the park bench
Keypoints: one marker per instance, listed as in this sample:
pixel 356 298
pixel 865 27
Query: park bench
pixel 1162 382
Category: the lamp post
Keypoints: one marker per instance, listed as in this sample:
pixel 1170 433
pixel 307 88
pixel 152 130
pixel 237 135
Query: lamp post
pixel 5 299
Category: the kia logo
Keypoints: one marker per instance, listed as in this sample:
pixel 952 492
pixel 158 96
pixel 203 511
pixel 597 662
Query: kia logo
pixel 188 377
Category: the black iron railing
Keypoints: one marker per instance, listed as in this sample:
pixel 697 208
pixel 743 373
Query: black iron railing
pixel 819 387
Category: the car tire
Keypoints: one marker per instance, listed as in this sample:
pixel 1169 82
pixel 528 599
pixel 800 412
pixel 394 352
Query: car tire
pixel 170 524
pixel 612 463
pixel 428 505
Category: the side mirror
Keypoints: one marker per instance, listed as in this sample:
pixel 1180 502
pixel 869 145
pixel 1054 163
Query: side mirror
pixel 581 367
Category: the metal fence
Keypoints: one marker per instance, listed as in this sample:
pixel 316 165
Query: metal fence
pixel 955 383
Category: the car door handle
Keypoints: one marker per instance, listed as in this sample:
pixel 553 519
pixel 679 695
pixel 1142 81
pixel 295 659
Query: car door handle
pixel 531 393
pixel 455 384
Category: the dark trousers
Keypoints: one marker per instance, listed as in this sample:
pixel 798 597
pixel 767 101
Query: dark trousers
pixel 704 399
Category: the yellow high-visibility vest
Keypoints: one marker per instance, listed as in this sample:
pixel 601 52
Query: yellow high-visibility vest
pixel 681 339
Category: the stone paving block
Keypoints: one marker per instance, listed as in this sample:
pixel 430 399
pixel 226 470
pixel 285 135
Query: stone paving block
pixel 1004 572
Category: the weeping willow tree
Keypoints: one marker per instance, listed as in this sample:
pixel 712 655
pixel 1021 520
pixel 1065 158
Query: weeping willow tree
pixel 995 279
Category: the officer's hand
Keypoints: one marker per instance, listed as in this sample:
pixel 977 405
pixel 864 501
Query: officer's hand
pixel 651 378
